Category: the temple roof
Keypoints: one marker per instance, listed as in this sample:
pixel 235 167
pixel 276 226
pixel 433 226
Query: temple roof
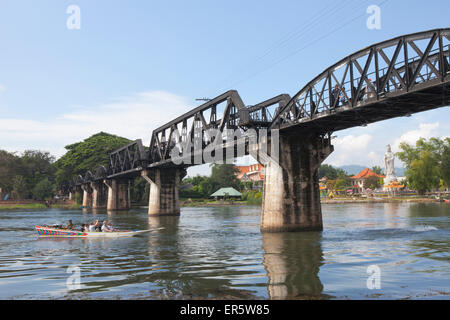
pixel 250 170
pixel 366 173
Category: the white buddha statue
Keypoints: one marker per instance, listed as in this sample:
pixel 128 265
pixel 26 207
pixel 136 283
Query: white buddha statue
pixel 389 169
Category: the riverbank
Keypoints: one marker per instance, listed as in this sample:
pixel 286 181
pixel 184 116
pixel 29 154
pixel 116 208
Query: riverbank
pixel 36 205
pixel 378 200
pixel 214 203
pixel 218 203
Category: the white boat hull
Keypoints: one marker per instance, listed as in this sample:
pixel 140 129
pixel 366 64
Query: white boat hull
pixel 54 232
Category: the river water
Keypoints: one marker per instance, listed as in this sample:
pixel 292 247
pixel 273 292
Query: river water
pixel 366 251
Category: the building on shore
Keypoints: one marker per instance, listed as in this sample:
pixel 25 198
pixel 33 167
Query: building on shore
pixel 226 193
pixel 360 181
pixel 253 173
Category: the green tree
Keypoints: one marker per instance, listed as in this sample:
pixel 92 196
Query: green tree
pixel 36 166
pixel 9 167
pixel 377 170
pixel 44 189
pixel 87 155
pixel 21 173
pixel 19 188
pixel 445 163
pixel 224 175
pixel 342 183
pixel 372 182
pixel 426 163
pixel 332 173
pixel 423 174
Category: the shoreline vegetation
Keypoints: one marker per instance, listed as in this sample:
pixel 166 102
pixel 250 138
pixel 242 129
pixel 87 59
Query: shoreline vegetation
pixel 223 203
pixel 36 205
pixel 32 179
pixel 219 203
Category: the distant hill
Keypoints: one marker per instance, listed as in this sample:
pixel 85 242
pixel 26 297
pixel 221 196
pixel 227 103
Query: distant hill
pixel 355 169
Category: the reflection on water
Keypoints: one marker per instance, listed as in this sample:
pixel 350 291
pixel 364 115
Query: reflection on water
pixel 292 262
pixel 219 253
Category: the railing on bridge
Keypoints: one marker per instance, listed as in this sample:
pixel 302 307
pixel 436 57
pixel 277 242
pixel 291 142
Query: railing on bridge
pixel 387 69
pixel 261 114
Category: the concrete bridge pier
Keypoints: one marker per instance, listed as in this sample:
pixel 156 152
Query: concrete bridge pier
pixel 118 194
pixel 77 193
pixel 291 200
pixel 164 183
pixel 98 195
pixel 87 196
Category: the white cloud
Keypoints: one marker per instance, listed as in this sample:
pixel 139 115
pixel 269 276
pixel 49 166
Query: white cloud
pixel 425 130
pixel 350 149
pixel 133 117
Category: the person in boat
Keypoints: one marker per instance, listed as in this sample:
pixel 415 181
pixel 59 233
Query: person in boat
pixel 110 226
pixel 105 227
pixel 83 227
pixel 98 226
pixel 92 227
pixel 70 225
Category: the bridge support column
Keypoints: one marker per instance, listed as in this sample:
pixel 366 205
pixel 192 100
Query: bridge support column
pixel 87 196
pixel 98 195
pixel 291 200
pixel 118 194
pixel 78 195
pixel 164 183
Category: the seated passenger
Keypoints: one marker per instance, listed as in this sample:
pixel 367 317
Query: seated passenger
pixel 97 226
pixel 105 227
pixel 110 227
pixel 70 225
pixel 92 227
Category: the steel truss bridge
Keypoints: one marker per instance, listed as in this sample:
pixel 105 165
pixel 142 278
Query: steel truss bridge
pixel 393 78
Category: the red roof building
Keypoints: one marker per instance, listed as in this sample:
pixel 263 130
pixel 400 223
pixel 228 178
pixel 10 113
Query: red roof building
pixel 358 181
pixel 253 172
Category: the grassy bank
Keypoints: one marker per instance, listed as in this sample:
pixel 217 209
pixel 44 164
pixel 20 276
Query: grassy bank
pixel 37 206
pixel 257 201
pixel 253 198
pixel 212 203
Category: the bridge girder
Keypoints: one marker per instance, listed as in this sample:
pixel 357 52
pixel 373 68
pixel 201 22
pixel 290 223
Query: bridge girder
pixel 387 72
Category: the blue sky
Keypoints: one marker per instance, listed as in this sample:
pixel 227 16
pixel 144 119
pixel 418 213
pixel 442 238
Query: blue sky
pixel 134 65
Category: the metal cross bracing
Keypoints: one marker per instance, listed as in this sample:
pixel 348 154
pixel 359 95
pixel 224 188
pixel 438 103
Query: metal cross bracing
pixel 261 114
pixel 393 78
pixel 130 158
pixel 197 126
pixel 226 111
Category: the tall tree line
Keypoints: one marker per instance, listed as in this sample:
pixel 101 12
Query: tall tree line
pixel 427 164
pixel 30 175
